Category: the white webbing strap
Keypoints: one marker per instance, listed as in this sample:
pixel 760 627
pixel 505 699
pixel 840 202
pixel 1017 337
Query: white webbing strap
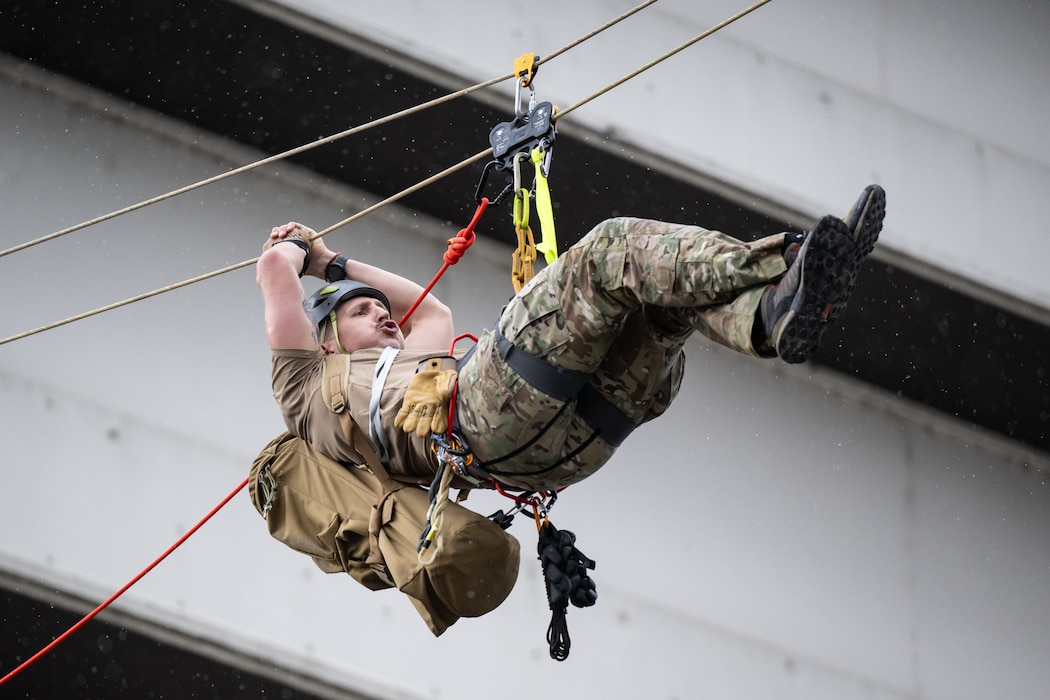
pixel 375 426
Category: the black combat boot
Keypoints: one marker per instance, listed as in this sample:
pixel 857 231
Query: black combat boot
pixel 795 311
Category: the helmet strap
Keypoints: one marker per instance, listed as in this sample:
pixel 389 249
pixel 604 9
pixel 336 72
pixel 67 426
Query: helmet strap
pixel 335 331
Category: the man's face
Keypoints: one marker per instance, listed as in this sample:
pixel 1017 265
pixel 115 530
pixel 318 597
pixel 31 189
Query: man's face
pixel 365 323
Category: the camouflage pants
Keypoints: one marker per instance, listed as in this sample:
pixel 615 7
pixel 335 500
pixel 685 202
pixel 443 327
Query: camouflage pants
pixel 619 305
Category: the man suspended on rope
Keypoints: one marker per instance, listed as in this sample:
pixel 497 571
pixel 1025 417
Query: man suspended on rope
pixel 591 348
pixel 586 351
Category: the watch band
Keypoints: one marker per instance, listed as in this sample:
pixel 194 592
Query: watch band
pixel 336 270
pixel 305 247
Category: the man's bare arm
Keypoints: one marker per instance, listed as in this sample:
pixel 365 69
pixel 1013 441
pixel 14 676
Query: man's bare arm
pixel 277 274
pixel 430 327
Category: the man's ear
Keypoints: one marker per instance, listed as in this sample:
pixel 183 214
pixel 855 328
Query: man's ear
pixel 328 344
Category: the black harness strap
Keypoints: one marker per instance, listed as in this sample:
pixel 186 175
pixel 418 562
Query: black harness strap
pixel 610 422
pixel 557 382
pixel 565 385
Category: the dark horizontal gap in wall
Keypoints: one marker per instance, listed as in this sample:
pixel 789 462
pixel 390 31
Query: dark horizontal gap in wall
pixel 106 660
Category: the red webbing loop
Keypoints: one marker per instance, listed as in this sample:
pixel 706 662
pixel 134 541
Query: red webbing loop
pixel 456 248
pixel 455 387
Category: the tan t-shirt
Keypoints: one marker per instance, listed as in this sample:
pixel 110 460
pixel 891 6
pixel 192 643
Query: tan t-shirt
pixel 297 389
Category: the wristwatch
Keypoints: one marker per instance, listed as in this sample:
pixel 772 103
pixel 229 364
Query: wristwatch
pixel 336 270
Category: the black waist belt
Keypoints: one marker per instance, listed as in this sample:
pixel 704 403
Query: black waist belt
pixel 566 385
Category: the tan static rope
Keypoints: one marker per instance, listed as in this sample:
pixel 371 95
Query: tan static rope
pixel 314 144
pixel 395 197
pixel 185 283
pixel 647 66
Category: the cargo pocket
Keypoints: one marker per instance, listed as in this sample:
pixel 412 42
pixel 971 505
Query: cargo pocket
pixel 317 506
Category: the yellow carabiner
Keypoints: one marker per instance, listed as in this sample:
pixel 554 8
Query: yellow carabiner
pixel 521 208
pixel 521 195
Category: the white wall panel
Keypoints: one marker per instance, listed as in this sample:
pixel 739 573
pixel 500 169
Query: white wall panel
pixel 780 533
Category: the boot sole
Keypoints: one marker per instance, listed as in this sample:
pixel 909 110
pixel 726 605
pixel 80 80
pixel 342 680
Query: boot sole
pixel 865 234
pixel 827 276
pixel 869 223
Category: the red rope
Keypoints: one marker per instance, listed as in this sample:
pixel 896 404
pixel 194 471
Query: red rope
pixel 455 387
pixel 456 248
pixel 87 618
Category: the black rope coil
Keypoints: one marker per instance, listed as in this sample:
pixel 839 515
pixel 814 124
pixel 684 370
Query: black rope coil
pixel 565 574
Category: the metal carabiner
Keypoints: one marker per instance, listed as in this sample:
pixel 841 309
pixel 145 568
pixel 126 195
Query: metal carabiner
pixel 518 111
pixel 525 68
pixel 268 485
pixel 518 157
pixel 539 512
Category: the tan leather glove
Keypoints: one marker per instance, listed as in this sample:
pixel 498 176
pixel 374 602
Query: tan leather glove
pixel 425 408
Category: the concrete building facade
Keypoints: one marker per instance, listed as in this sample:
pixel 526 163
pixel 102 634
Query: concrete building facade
pixel 835 530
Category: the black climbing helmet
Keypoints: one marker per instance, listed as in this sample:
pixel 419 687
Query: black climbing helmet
pixel 324 300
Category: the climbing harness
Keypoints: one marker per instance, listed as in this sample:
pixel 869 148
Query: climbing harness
pixel 564 567
pixel 567 385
